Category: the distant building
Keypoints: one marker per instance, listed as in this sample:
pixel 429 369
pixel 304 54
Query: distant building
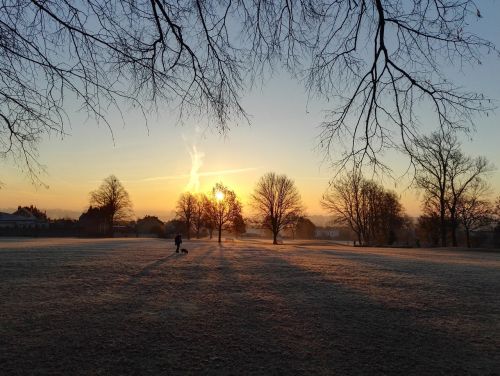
pixel 257 232
pixel 326 233
pixel 22 219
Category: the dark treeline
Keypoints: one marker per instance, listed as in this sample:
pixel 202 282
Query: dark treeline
pixel 456 209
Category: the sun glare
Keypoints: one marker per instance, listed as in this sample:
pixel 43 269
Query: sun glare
pixel 219 195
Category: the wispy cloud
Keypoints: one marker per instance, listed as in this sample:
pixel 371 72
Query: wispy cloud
pixel 228 172
pixel 311 178
pixel 206 173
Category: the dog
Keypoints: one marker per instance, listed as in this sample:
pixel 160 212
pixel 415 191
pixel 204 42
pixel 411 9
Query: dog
pixel 184 250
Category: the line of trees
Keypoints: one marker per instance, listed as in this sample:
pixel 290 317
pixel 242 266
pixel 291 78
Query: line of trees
pixel 276 200
pixel 455 188
pixel 372 212
pixel 455 197
pixel 219 210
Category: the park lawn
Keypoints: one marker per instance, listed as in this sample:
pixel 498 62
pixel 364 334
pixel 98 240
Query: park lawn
pixel 133 306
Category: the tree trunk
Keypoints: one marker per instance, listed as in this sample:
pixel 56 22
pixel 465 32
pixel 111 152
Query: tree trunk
pixel 454 234
pixel 442 221
pixel 467 235
pixel 220 233
pixel 454 225
pixel 110 226
pixel 275 237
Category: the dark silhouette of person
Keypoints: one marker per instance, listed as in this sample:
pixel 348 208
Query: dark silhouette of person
pixel 178 242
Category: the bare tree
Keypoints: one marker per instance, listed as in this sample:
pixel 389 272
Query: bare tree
pixel 444 173
pixel 427 229
pixel 209 214
pixel 433 154
pixel 277 201
pixel 199 213
pixel 112 197
pixel 429 224
pixel 344 201
pixel 496 210
pixel 186 209
pixel 372 212
pixel 465 175
pixel 377 60
pixel 473 209
pixel 239 225
pixel 227 208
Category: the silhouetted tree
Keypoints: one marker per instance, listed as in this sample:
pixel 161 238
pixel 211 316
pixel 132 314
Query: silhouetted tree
pixel 186 207
pixel 227 208
pixel 112 198
pixel 33 210
pixel 378 59
pixel 198 214
pixel 428 229
pixel 372 212
pixel 209 214
pixel 174 227
pixel 150 225
pixel 390 217
pixel 345 200
pixel 466 175
pixel 496 211
pixel 292 224
pixel 239 226
pixel 473 209
pixel 433 155
pixel 444 174
pixel 95 221
pixel 277 201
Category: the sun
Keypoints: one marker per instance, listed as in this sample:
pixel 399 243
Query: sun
pixel 219 195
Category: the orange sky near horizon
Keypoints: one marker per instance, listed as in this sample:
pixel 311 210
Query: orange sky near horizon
pixel 74 171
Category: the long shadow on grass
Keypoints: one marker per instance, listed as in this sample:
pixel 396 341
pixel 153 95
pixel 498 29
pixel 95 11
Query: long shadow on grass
pixel 226 311
pixel 447 259
pixel 323 327
pixel 146 271
pixel 468 283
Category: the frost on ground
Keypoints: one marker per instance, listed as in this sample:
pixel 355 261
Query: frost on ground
pixel 132 306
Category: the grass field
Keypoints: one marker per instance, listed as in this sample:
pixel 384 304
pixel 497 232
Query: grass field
pixel 132 306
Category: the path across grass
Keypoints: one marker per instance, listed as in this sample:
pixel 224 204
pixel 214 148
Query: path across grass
pixel 132 306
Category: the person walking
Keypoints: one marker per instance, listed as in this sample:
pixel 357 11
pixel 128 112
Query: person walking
pixel 178 242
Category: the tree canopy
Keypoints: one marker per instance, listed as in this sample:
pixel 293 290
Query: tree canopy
pixel 372 212
pixel 376 61
pixel 112 198
pixel 445 174
pixel 277 200
pixel 225 209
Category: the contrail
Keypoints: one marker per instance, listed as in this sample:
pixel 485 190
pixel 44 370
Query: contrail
pixel 196 163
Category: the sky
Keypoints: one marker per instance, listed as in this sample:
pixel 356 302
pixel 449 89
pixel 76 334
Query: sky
pixel 155 161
